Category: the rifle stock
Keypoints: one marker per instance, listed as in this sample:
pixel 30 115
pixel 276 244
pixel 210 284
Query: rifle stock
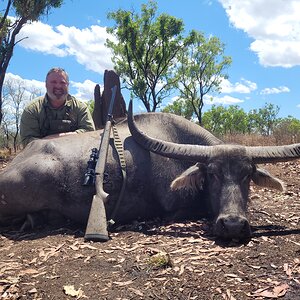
pixel 96 229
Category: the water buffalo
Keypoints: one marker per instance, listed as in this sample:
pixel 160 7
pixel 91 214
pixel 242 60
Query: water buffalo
pixel 177 168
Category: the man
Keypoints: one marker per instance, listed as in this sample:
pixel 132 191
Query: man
pixel 55 114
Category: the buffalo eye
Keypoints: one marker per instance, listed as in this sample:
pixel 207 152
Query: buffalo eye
pixel 213 176
pixel 213 173
pixel 246 177
pixel 246 174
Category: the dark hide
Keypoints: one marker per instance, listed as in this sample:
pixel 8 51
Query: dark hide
pixel 48 175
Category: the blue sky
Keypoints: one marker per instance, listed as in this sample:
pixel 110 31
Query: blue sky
pixel 262 37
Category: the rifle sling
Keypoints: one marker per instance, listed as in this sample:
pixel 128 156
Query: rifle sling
pixel 120 150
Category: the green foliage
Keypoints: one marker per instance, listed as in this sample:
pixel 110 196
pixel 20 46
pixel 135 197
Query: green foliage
pixel 287 130
pixel 32 10
pixel 221 120
pixel 26 11
pixel 213 119
pixel 265 118
pixel 91 104
pixel 4 27
pixel 233 119
pixel 201 69
pixel 180 107
pixel 145 50
pixel 152 57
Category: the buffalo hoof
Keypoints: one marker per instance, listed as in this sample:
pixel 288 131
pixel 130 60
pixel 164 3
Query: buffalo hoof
pixel 40 218
pixel 232 227
pixel 29 223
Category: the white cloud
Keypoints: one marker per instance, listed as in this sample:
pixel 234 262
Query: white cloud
pixel 81 90
pixel 243 87
pixel 30 85
pixel 269 91
pixel 273 24
pixel 84 90
pixel 27 88
pixel 228 100
pixel 42 38
pixel 276 53
pixel 86 45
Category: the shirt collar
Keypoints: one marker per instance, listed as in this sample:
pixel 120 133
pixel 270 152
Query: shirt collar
pixel 67 103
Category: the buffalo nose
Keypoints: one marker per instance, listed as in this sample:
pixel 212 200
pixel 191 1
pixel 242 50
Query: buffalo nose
pixel 232 227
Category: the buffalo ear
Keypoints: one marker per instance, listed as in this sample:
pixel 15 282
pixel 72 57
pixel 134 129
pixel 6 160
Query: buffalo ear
pixel 263 178
pixel 191 179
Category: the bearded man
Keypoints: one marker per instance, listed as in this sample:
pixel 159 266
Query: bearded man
pixel 57 113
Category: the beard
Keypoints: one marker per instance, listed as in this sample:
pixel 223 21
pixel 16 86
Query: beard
pixel 57 94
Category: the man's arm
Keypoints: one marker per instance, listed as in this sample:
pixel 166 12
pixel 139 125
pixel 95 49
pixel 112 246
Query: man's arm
pixel 85 120
pixel 29 127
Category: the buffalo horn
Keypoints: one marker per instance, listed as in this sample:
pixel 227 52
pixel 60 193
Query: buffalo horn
pixel 200 153
pixel 167 149
pixel 273 154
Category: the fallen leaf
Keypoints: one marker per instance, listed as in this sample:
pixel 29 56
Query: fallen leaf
pixel 281 289
pixel 119 283
pixel 75 248
pixel 273 266
pixel 32 291
pixel 231 275
pixel 39 274
pixel 49 252
pixel 228 295
pixel 70 291
pixel 254 267
pixel 137 292
pixel 33 261
pixel 278 291
pixel 161 278
pixel 88 246
pixel 87 259
pixel 181 270
pixel 28 272
pixel 108 251
pixel 287 270
pixel 132 249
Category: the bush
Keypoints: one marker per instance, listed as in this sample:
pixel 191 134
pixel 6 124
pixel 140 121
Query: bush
pixel 287 131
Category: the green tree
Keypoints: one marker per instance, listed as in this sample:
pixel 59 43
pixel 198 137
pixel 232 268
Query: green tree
pixel 180 107
pixel 213 119
pixel 264 119
pixel 145 51
pixel 287 130
pixel 236 120
pixel 252 117
pixel 25 11
pixel 201 69
pixel 222 120
pixel 91 104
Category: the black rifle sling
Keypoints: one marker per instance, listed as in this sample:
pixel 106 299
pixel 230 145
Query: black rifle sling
pixel 120 150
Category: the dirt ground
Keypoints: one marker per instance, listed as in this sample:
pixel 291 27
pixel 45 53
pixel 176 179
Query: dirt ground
pixel 156 260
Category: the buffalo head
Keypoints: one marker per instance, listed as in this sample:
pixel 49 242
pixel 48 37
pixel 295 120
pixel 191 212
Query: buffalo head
pixel 225 171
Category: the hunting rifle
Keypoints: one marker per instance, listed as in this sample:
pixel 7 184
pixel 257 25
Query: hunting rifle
pixel 96 229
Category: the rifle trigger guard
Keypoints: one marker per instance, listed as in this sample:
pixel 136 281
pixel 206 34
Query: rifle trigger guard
pixel 105 177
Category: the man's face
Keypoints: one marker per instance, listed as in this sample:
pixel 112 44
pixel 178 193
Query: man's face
pixel 57 86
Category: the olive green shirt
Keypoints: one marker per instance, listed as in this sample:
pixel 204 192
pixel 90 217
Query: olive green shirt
pixel 40 119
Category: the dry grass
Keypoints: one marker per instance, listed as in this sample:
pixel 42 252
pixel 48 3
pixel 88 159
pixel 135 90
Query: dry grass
pixel 5 153
pixel 250 140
